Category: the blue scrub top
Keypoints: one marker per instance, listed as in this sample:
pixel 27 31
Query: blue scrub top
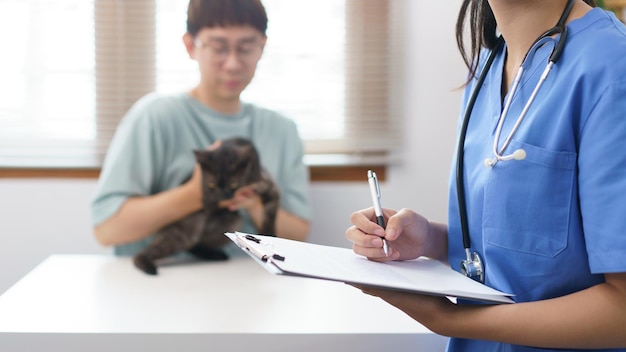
pixel 553 223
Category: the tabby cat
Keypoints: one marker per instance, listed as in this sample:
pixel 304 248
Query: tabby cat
pixel 225 169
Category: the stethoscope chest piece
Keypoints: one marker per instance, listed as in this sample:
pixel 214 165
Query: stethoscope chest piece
pixel 472 267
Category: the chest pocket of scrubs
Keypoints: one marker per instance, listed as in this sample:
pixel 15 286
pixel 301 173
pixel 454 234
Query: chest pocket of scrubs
pixel 527 203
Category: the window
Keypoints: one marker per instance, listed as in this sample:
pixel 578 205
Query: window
pixel 46 89
pixel 73 67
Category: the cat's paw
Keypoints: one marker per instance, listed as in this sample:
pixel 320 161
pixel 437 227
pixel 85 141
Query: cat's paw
pixel 206 253
pixel 144 264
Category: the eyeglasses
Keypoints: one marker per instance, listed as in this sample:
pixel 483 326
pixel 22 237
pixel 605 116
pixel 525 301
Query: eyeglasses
pixel 247 52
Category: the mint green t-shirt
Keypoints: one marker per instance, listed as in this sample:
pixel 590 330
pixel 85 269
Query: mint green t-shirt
pixel 152 152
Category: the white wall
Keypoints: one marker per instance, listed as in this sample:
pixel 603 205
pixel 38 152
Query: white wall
pixel 39 217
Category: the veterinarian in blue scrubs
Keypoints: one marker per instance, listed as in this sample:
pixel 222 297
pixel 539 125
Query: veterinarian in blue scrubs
pixel 544 208
pixel 145 180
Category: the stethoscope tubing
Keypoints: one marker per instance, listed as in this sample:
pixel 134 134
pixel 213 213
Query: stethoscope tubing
pixel 561 29
pixel 499 154
pixel 460 162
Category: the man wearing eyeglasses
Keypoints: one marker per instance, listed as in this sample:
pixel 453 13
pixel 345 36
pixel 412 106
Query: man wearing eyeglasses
pixel 145 181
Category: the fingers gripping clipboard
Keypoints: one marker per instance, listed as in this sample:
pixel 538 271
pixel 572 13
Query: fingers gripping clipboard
pixel 308 260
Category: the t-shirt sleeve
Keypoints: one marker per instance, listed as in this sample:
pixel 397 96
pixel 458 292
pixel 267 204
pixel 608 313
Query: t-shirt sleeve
pixel 282 153
pixel 128 167
pixel 295 197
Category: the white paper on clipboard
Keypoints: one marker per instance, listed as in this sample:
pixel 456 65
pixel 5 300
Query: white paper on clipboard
pixel 423 275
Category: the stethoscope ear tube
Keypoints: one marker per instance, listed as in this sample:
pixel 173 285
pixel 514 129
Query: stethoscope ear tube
pixel 556 53
pixel 561 27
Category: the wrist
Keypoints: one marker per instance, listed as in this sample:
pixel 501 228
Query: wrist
pixel 255 212
pixel 192 197
pixel 437 241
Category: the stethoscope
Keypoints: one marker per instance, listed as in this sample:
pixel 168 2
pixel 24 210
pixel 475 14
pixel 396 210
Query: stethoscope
pixel 473 266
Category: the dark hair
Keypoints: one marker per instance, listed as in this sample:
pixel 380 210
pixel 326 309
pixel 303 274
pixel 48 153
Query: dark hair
pixel 483 31
pixel 222 13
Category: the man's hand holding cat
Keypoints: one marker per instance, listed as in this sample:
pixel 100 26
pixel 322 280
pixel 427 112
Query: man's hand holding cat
pixel 245 198
pixel 248 199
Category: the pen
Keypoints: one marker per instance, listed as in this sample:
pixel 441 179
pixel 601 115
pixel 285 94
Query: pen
pixel 378 209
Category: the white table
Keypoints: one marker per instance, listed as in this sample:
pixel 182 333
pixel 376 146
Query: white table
pixel 102 303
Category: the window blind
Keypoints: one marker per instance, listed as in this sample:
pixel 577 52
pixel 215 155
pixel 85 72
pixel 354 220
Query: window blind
pixel 72 68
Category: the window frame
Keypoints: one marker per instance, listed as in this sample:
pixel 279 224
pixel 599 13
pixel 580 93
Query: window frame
pixel 112 82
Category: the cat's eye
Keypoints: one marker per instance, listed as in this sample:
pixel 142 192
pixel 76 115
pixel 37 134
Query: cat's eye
pixel 211 185
pixel 234 185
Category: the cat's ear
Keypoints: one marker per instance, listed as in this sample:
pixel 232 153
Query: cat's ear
pixel 202 156
pixel 253 164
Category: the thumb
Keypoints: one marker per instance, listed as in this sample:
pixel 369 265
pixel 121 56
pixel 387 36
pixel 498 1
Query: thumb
pixel 397 223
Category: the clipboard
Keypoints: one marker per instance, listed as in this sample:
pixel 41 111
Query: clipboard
pixel 282 256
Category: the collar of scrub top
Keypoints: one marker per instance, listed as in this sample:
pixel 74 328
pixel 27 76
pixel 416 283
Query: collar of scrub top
pixel 473 266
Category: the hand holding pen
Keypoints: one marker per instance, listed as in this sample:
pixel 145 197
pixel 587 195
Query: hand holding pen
pixel 378 210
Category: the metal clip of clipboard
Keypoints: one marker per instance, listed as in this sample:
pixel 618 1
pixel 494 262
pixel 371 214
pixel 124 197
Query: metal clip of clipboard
pixel 255 246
